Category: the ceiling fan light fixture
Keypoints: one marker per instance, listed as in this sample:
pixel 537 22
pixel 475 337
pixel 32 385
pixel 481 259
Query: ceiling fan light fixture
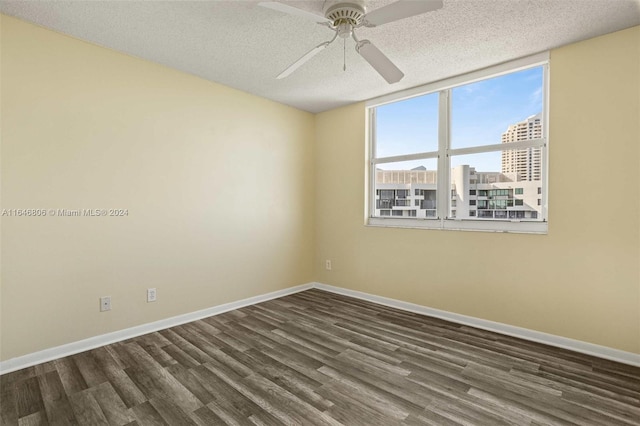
pixel 344 29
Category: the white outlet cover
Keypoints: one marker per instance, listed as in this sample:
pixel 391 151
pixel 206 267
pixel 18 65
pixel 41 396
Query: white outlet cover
pixel 151 295
pixel 105 303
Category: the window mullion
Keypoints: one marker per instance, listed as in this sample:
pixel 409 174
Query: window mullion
pixel 511 146
pixel 443 193
pixel 372 167
pixel 545 148
pixel 408 157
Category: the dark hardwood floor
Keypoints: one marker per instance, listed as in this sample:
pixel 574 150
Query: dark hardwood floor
pixel 320 358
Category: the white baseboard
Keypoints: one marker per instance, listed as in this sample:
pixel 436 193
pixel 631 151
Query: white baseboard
pixel 510 330
pixel 50 354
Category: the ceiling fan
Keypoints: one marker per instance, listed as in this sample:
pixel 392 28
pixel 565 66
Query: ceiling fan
pixel 345 16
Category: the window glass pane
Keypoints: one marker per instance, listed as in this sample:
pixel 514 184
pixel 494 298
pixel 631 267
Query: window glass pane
pixel 406 189
pixel 407 127
pixel 500 195
pixel 498 110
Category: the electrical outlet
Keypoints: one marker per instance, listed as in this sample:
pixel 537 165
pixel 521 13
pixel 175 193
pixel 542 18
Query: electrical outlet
pixel 105 303
pixel 151 295
pixel 327 265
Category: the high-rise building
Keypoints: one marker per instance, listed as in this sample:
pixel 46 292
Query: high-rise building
pixel 527 163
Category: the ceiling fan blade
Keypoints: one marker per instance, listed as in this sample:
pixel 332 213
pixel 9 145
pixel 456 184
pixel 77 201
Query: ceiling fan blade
pixel 297 64
pixel 400 10
pixel 379 61
pixel 281 7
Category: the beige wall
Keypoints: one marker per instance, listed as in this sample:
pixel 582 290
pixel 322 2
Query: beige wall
pixel 219 186
pixel 581 281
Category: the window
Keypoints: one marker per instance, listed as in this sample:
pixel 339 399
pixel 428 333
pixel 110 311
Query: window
pixel 487 130
pixel 386 194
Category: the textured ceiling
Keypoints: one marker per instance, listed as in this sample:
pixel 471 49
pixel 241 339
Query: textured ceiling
pixel 244 46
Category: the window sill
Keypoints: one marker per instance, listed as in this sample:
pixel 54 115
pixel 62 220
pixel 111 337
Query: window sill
pixel 503 226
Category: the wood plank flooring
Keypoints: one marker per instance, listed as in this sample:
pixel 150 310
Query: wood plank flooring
pixel 316 358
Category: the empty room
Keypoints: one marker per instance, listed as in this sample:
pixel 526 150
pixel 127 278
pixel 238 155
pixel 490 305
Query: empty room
pixel 322 212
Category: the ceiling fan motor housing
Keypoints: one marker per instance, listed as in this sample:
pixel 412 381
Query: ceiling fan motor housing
pixel 341 12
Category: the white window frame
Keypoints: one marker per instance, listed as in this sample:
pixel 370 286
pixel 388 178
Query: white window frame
pixel 444 153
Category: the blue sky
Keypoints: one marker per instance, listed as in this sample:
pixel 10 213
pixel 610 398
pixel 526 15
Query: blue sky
pixel 480 113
